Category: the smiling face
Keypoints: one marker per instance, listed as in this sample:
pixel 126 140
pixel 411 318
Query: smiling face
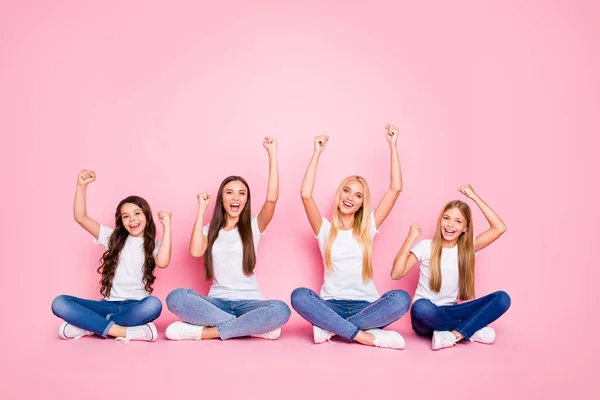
pixel 453 224
pixel 234 198
pixel 351 197
pixel 133 219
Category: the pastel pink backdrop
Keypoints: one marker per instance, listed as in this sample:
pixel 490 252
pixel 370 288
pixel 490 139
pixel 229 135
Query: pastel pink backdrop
pixel 164 101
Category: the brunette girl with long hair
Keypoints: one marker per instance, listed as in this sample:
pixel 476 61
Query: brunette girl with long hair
pixel 234 307
pixel 127 268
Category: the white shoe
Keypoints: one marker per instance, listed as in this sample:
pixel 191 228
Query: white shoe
pixel 485 335
pixel 387 339
pixel 321 335
pixel 68 331
pixel 146 332
pixel 183 331
pixel 442 339
pixel 272 335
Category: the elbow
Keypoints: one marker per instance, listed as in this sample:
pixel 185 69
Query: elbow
pixel 196 253
pixel 272 199
pixel 502 229
pixel 306 196
pixel 395 275
pixel 396 190
pixel 162 265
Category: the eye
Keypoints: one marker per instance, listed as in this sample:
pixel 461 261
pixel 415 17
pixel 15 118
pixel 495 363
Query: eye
pixel 359 196
pixel 445 218
pixel 346 190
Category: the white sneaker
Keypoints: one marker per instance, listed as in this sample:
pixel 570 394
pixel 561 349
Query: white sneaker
pixel 485 335
pixel 387 339
pixel 321 335
pixel 68 331
pixel 146 332
pixel 183 331
pixel 272 335
pixel 442 339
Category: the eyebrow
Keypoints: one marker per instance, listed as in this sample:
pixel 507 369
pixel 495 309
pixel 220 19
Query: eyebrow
pixel 137 209
pixel 346 187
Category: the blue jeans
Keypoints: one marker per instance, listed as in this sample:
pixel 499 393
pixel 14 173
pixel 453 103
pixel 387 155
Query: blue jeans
pixel 232 318
pixel 465 318
pixel 99 315
pixel 347 317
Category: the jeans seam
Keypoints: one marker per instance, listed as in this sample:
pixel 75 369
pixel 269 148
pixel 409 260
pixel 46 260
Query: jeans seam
pixel 472 317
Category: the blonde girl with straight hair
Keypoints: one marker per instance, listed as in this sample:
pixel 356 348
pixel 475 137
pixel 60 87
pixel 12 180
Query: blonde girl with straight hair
pixel 447 275
pixel 349 304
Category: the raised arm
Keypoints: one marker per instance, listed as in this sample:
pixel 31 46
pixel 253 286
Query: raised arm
pixel 268 209
pixel 199 241
pixel 308 184
pixel 84 178
pixel 497 227
pixel 389 198
pixel 163 257
pixel 405 260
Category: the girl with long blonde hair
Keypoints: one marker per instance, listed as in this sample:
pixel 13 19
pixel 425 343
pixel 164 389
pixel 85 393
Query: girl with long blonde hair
pixel 447 274
pixel 349 304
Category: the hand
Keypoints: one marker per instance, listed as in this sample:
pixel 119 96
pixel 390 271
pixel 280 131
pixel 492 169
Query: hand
pixel 467 190
pixel 414 232
pixel 85 177
pixel 391 133
pixel 203 200
pixel 164 217
pixel 321 143
pixel 270 143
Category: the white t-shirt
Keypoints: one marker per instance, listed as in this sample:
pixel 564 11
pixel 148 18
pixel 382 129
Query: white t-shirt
pixel 229 282
pixel 128 283
pixel 345 281
pixel 448 293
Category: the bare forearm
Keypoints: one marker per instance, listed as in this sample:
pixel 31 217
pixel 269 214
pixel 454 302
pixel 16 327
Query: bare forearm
pixel 79 204
pixel 399 270
pixel 273 185
pixel 494 219
pixel 163 257
pixel 310 176
pixel 395 171
pixel 197 241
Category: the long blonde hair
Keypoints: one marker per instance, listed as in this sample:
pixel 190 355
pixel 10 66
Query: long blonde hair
pixel 361 229
pixel 466 254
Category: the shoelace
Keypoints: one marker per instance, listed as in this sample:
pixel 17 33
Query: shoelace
pixel 190 333
pixel 449 340
pixel 131 334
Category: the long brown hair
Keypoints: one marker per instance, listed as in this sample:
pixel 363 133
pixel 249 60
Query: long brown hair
pixel 466 254
pixel 110 259
pixel 360 229
pixel 218 221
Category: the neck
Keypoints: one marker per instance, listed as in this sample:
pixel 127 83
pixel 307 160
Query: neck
pixel 346 221
pixel 231 222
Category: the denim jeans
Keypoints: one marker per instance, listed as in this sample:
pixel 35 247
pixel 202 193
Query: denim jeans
pixel 232 318
pixel 99 315
pixel 465 318
pixel 347 317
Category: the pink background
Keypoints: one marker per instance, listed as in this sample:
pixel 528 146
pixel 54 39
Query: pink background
pixel 165 101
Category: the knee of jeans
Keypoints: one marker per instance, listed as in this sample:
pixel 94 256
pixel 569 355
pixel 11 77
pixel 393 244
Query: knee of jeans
pixel 60 305
pixel 421 308
pixel 281 310
pixel 400 300
pixel 152 306
pixel 299 295
pixel 175 297
pixel 503 300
